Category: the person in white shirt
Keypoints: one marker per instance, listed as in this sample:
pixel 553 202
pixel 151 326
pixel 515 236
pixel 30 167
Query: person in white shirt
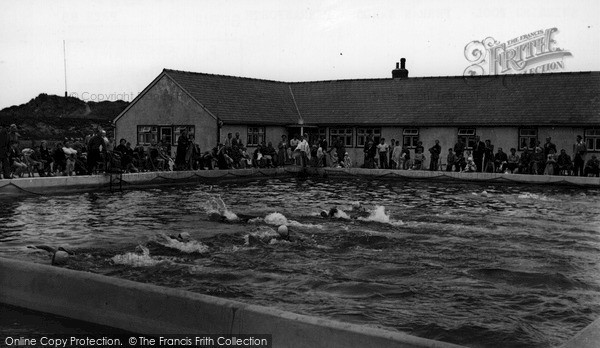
pixel 382 149
pixel 304 149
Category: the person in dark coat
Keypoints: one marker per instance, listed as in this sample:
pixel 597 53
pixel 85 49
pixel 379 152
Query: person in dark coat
pixel 182 146
pixel 4 150
pixel 95 147
pixel 478 152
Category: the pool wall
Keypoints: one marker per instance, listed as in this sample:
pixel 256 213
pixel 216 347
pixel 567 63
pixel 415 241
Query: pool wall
pixel 154 310
pixel 64 184
pixel 586 338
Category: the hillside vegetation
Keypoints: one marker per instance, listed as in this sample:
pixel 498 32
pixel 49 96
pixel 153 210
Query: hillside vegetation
pixel 53 117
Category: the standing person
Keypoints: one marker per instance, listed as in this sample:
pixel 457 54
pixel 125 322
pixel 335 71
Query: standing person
pixel 478 152
pixel 95 148
pixel 304 149
pixel 367 146
pixel 340 149
pixel 436 151
pixel 392 163
pixel 579 151
pixel 293 146
pixel 451 160
pixel 4 150
pixel 488 165
pixel 323 144
pixel 404 158
pixel 190 154
pixel 370 152
pixel 182 146
pixel 229 141
pixel 282 154
pixel 382 149
pixel 46 157
pixel 396 155
pixel 459 149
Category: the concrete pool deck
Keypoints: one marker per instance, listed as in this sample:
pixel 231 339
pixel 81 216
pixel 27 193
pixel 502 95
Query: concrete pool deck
pixel 65 184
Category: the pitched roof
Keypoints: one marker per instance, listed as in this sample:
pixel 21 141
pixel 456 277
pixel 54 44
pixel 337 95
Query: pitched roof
pixel 556 99
pixel 240 100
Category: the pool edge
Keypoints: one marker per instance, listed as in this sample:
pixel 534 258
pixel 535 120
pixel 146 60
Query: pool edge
pixel 150 309
pixel 103 182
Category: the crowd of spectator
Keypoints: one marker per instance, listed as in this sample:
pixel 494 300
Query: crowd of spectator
pixel 543 159
pixel 96 153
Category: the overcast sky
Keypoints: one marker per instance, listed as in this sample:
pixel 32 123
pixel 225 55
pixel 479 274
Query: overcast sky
pixel 116 48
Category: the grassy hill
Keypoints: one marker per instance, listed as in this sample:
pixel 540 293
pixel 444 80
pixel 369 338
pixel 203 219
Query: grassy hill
pixel 52 117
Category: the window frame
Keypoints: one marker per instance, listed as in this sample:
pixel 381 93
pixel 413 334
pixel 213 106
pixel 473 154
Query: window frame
pixel 258 133
pixel 363 132
pixel 146 134
pixel 592 139
pixel 412 137
pixel 347 134
pixel 470 138
pixel 531 138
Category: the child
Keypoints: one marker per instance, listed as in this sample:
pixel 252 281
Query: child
pixel 450 160
pixel 470 166
pixel 419 159
pixel 347 161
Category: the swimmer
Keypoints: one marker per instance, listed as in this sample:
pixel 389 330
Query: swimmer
pixel 267 236
pixel 357 211
pixel 60 255
pixel 330 214
pixel 221 217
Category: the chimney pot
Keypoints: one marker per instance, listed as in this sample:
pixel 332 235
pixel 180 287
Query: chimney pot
pixel 402 61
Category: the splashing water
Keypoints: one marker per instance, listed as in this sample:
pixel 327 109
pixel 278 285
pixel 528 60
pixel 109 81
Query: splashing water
pixel 528 195
pixel 379 215
pixel 340 214
pixel 215 204
pixel 280 219
pixel 140 258
pixel 192 246
pixel 276 219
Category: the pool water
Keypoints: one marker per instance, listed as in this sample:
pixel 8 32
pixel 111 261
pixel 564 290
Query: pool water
pixel 475 264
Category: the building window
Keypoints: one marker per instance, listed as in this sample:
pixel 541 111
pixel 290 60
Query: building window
pixel 528 138
pixel 410 137
pixel 592 139
pixel 344 133
pixel 178 129
pixel 467 136
pixel 362 133
pixel 147 134
pixel 166 134
pixel 256 135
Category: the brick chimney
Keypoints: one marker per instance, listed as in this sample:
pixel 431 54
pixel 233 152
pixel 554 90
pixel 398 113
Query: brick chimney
pixel 396 72
pixel 402 73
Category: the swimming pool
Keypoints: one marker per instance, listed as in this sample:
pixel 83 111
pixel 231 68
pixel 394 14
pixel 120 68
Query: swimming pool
pixel 479 265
